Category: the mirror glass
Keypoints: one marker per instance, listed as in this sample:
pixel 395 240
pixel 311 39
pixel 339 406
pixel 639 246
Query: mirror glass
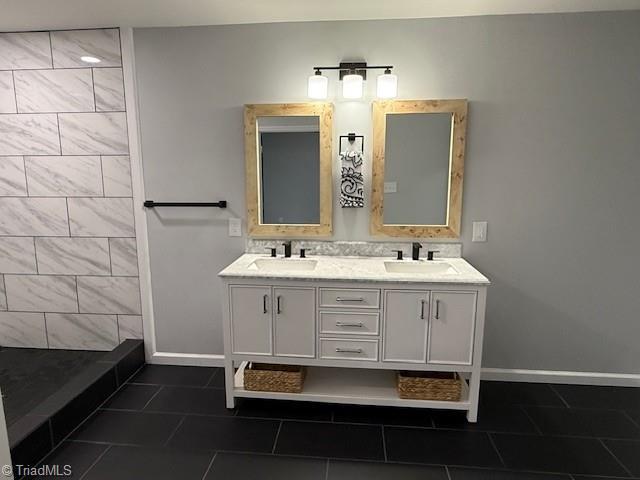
pixel 417 168
pixel 289 169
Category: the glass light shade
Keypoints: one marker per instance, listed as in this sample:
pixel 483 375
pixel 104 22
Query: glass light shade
pixel 317 87
pixel 387 86
pixel 352 86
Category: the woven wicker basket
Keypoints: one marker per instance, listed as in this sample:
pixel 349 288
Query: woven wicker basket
pixel 443 386
pixel 266 377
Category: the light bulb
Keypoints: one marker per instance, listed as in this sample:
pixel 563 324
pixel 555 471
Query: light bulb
pixel 352 86
pixel 387 86
pixel 317 86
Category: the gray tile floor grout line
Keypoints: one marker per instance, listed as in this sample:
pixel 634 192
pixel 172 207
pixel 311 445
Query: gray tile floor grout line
pixel 626 414
pixel 213 375
pixel 384 443
pixel 206 472
pixel 495 447
pixel 275 440
pixel 535 425
pixel 95 462
pixel 554 390
pixel 446 470
pixel 175 430
pixel 326 470
pixel 152 397
pixel 624 467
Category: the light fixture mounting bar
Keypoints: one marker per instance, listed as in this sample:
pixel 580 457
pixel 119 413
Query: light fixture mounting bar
pixel 359 68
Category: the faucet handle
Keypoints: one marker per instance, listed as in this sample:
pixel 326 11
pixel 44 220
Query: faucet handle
pixel 399 252
pixel 272 250
pixel 303 253
pixel 430 254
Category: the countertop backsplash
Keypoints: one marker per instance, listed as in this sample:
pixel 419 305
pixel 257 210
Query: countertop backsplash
pixel 354 249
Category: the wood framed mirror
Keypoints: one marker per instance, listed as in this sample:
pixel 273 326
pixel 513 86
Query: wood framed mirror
pixel 418 167
pixel 288 154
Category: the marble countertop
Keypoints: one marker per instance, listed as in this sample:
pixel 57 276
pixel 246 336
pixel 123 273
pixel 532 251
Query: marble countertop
pixel 359 269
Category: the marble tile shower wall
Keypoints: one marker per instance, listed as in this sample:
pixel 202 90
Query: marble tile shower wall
pixel 68 262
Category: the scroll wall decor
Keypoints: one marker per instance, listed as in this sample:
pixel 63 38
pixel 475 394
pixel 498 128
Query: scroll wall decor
pixel 351 182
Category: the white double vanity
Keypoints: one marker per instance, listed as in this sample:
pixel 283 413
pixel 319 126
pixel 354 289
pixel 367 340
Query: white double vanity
pixel 354 322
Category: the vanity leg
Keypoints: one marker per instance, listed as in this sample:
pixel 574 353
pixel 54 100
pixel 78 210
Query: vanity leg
pixel 474 394
pixel 229 374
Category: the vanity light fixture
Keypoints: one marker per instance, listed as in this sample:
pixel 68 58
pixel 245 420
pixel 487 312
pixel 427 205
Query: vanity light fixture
pixel 352 85
pixel 318 86
pixel 387 86
pixel 90 59
pixel 353 75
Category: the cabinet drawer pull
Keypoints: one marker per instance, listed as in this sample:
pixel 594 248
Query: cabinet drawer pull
pixel 437 309
pixel 349 324
pixel 278 299
pixel 349 299
pixel 264 303
pixel 348 350
pixel 422 304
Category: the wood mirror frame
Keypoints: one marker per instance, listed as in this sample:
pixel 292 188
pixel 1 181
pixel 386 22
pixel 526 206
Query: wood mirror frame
pixel 324 112
pixel 458 109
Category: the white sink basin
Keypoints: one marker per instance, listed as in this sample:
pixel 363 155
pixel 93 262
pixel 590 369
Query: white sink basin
pixel 420 266
pixel 283 264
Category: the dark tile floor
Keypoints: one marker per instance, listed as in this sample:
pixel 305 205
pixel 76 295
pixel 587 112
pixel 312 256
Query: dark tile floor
pixel 171 422
pixel 29 375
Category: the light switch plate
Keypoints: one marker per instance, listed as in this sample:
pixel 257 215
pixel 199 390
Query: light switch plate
pixel 390 187
pixel 479 232
pixel 235 227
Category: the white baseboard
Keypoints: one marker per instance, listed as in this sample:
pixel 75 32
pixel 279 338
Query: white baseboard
pixel 187 359
pixel 557 376
pixel 499 374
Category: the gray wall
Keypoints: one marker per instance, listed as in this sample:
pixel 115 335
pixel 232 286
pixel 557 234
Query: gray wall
pixel 416 157
pixel 552 165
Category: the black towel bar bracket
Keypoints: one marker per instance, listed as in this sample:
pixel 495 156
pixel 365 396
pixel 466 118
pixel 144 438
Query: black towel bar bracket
pixel 152 204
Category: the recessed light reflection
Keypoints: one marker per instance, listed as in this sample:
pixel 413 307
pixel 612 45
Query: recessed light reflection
pixel 89 59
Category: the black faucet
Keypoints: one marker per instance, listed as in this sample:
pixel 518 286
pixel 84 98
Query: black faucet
pixel 287 249
pixel 430 254
pixel 415 251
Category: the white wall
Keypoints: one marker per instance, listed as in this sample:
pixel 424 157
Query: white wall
pixel 68 262
pixel 552 164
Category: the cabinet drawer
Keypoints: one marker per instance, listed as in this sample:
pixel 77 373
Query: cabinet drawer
pixel 339 349
pixel 349 323
pixel 349 298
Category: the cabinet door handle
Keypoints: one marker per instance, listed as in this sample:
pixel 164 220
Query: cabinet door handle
pixel 437 309
pixel 422 304
pixel 349 324
pixel 348 350
pixel 264 303
pixel 349 299
pixel 278 298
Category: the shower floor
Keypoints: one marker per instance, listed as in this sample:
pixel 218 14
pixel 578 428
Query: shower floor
pixel 30 375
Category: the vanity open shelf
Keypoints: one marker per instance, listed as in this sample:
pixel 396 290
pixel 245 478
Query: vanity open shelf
pixel 350 385
pixel 353 324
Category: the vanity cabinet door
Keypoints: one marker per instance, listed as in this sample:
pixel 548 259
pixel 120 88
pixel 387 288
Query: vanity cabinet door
pixel 294 321
pixel 250 319
pixel 452 327
pixel 406 314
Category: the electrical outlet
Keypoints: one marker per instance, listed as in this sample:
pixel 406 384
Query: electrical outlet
pixel 235 227
pixel 479 232
pixel 390 187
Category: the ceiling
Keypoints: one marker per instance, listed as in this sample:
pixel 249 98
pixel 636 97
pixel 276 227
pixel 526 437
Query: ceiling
pixel 60 14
